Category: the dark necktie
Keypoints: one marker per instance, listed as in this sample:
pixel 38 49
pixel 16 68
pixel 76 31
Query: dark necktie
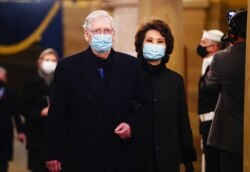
pixel 101 72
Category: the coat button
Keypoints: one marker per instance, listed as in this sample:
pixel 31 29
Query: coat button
pixel 157 148
pixel 155 100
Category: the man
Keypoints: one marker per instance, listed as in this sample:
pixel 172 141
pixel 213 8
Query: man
pixel 8 112
pixel 227 74
pixel 95 106
pixel 207 97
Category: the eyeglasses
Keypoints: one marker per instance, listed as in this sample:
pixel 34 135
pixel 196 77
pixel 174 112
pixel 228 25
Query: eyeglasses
pixel 102 31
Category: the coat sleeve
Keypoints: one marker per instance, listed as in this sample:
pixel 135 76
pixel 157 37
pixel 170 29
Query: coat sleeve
pixel 212 77
pixel 139 103
pixel 26 105
pixel 188 152
pixel 56 119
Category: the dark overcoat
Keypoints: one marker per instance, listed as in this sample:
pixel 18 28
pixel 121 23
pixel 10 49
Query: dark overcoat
pixel 171 141
pixel 83 114
pixel 8 114
pixel 35 97
pixel 227 74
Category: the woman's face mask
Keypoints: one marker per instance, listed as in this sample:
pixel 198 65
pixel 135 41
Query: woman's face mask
pixel 154 45
pixel 48 63
pixel 153 51
pixel 48 66
pixel 101 43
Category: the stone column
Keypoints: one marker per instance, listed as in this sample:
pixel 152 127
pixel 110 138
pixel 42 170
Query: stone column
pixel 125 14
pixel 246 165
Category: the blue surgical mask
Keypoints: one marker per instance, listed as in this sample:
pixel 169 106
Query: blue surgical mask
pixel 101 43
pixel 153 51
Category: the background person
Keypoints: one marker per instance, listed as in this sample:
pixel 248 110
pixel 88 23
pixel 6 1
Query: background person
pixel 8 113
pixel 96 105
pixel 34 106
pixel 207 97
pixel 227 74
pixel 170 136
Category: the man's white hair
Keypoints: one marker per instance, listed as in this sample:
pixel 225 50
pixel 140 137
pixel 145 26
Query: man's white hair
pixel 94 15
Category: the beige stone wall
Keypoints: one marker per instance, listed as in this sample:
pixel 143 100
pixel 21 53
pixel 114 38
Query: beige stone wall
pixel 125 14
pixel 74 15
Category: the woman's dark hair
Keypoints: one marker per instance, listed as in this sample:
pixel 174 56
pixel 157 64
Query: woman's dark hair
pixel 163 28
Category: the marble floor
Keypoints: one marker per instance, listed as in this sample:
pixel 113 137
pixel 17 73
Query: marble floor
pixel 20 158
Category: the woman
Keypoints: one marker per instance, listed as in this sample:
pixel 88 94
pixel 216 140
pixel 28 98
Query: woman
pixel 35 104
pixel 169 128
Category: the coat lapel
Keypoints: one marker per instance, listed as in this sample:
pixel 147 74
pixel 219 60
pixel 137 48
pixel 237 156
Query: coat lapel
pixel 115 81
pixel 90 75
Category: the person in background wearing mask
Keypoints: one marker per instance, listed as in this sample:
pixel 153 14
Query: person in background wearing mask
pixel 207 97
pixel 170 136
pixel 8 112
pixel 34 104
pixel 227 75
pixel 96 106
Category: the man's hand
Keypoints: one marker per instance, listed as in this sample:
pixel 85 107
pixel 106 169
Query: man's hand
pixel 123 130
pixel 21 137
pixel 44 111
pixel 54 165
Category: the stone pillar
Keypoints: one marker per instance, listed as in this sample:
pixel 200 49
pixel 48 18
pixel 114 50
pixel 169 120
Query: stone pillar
pixel 125 14
pixel 246 165
pixel 194 21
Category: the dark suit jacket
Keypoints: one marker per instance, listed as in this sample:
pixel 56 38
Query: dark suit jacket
pixel 227 73
pixel 8 112
pixel 83 115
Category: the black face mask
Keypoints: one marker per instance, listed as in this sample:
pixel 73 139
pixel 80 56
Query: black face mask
pixel 202 51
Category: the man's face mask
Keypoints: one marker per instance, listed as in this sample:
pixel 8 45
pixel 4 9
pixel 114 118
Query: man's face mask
pixel 202 51
pixel 101 43
pixel 153 51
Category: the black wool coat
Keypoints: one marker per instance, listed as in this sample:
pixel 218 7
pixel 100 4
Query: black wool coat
pixel 35 97
pixel 8 112
pixel 169 130
pixel 84 113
